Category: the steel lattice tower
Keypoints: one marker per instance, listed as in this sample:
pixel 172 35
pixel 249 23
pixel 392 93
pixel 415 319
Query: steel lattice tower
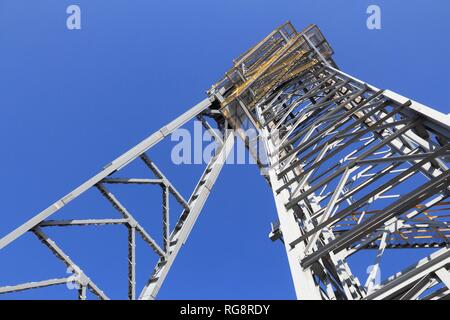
pixel 352 168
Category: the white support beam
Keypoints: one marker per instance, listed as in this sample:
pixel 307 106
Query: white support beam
pixel 115 165
pixel 180 234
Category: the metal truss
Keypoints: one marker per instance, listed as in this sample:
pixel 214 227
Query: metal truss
pixel 174 234
pixel 353 169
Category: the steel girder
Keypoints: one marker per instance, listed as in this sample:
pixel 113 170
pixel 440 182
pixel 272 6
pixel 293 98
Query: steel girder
pixel 356 168
pixel 353 170
pixel 174 234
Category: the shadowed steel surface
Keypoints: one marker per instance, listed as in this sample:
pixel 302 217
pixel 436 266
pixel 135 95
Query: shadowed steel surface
pixel 352 168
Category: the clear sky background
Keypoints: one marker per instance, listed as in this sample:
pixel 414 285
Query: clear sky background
pixel 72 101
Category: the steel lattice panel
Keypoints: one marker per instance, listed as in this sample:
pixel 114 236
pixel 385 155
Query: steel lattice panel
pixel 353 169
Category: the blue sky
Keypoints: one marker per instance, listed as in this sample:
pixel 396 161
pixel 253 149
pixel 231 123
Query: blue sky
pixel 71 101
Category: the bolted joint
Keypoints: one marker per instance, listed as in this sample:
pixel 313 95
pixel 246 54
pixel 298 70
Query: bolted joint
pixel 83 279
pixel 275 233
pixel 132 222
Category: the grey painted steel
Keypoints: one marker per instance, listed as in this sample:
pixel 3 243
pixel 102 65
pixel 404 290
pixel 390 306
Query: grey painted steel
pixel 33 285
pixel 187 221
pixel 353 170
pixel 115 165
pixel 170 248
pixel 341 154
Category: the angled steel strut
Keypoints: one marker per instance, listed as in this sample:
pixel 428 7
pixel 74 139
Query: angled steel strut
pixel 355 172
